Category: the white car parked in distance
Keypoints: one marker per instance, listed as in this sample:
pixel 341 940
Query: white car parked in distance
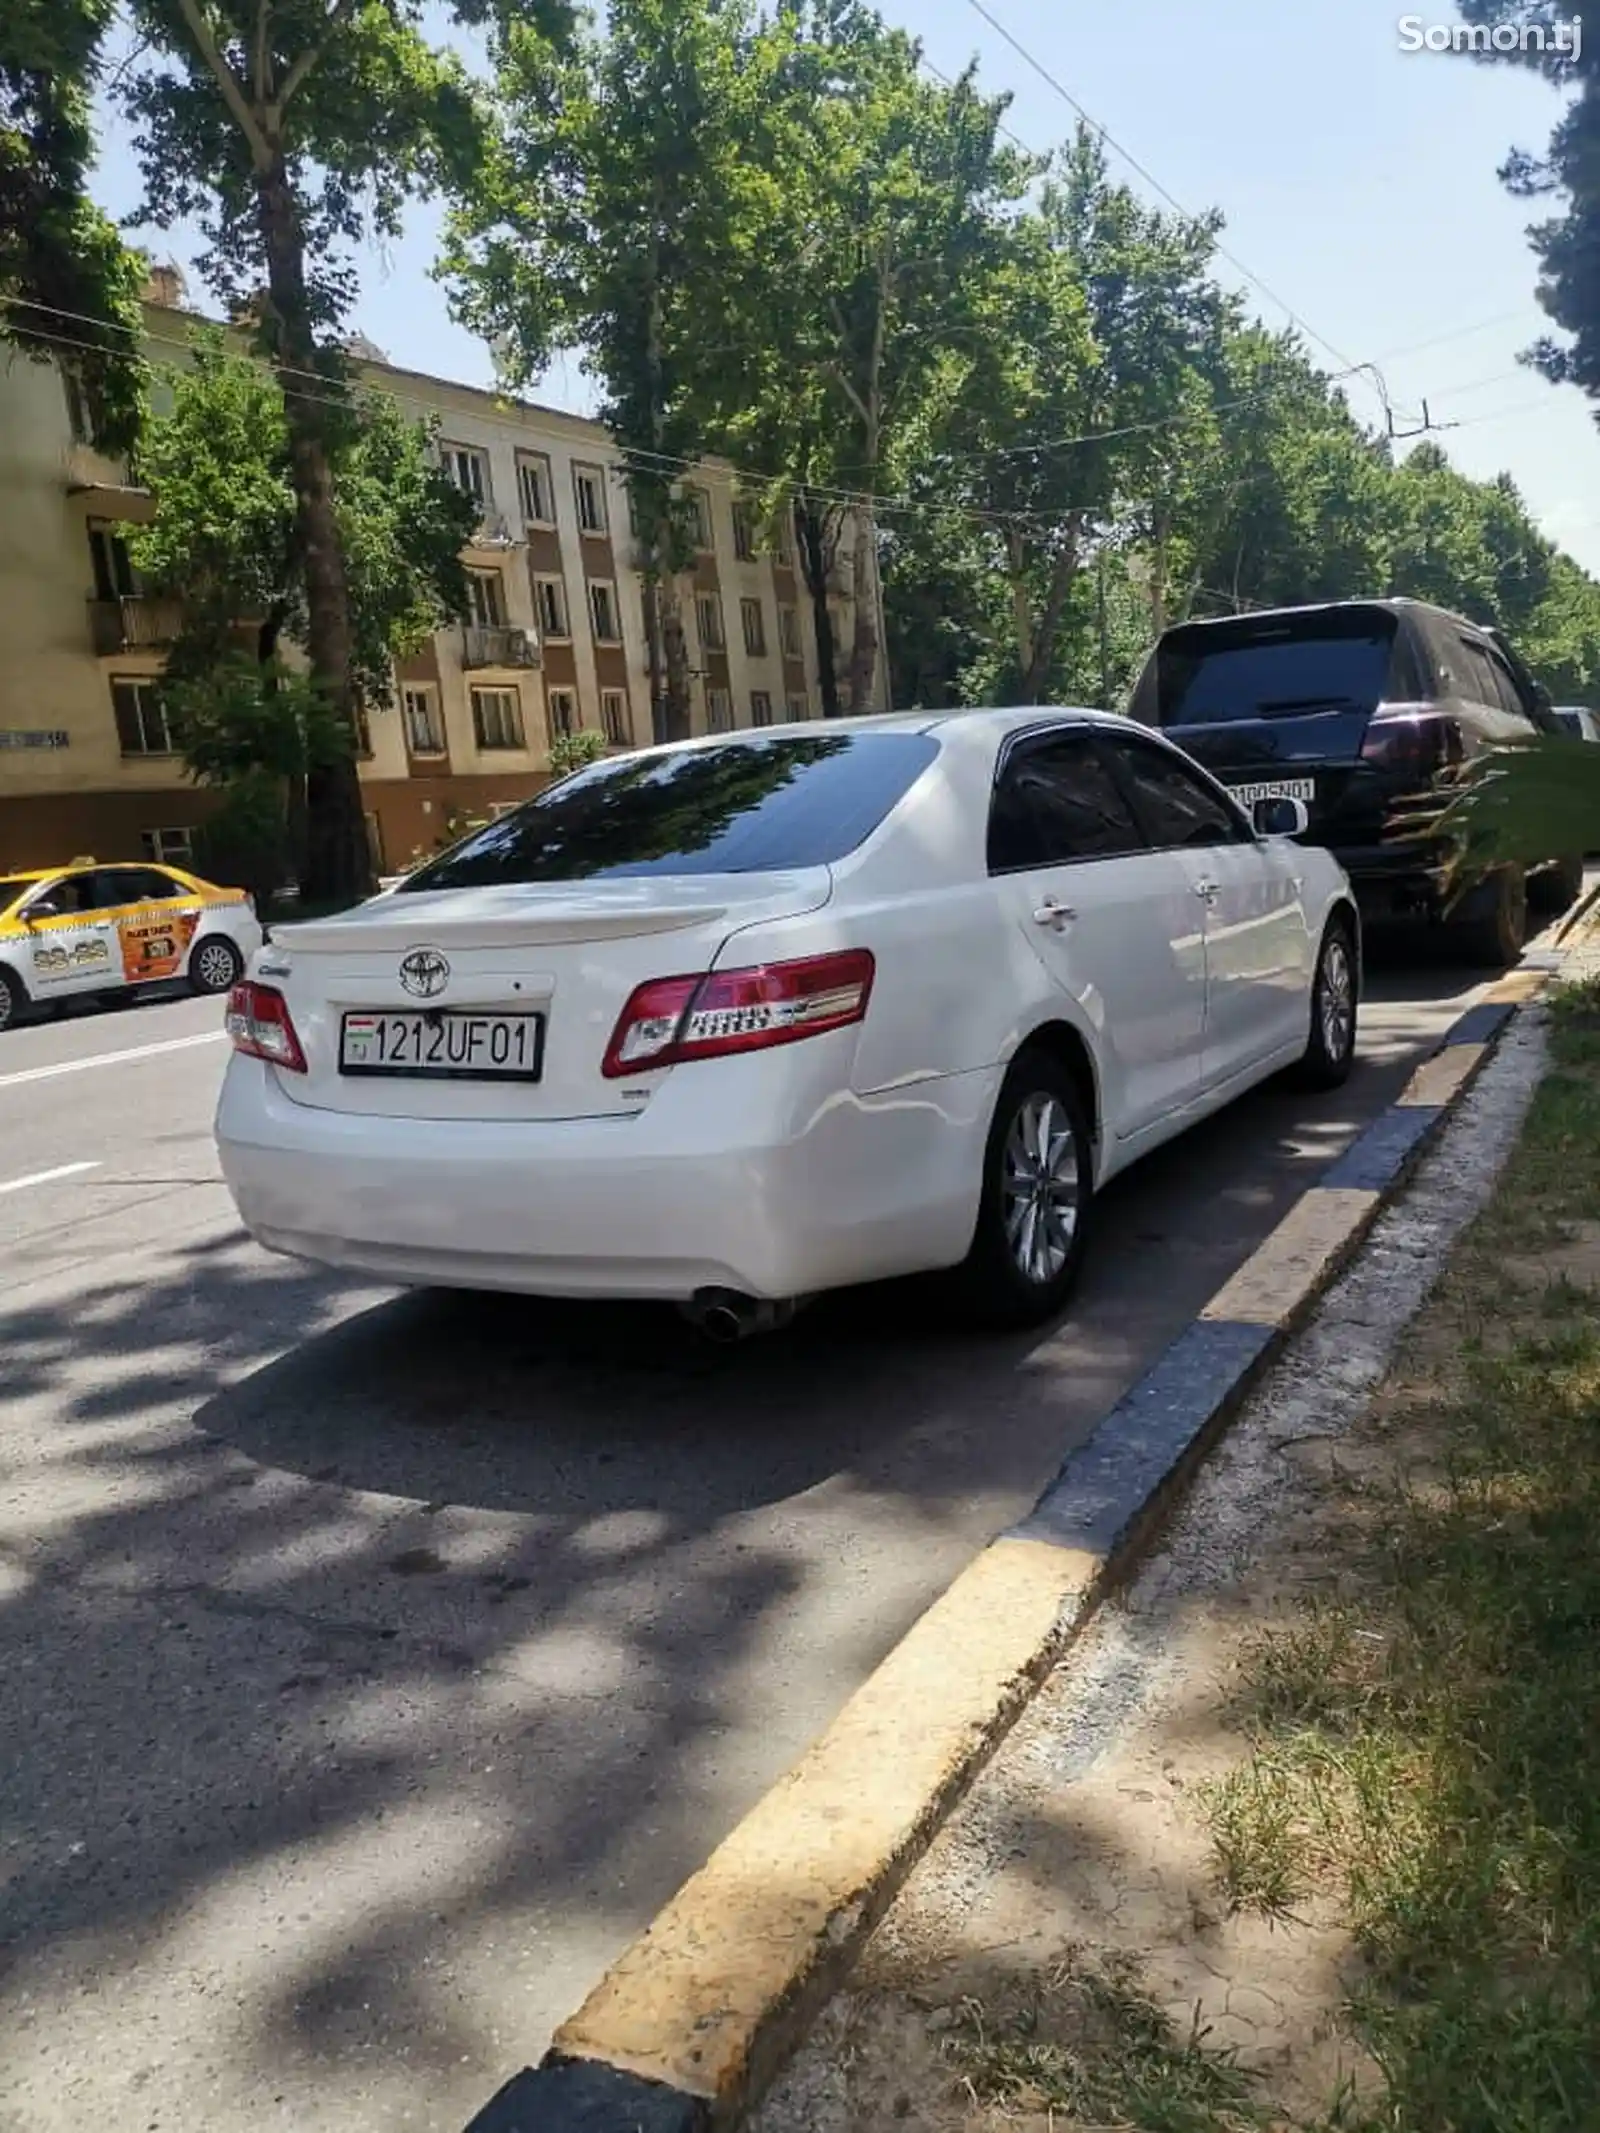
pixel 740 1019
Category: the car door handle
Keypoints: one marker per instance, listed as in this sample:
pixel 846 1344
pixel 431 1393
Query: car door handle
pixel 1050 913
pixel 1206 891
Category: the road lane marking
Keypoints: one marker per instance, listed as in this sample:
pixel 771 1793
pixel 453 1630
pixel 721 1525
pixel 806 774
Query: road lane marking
pixel 47 1177
pixel 98 1059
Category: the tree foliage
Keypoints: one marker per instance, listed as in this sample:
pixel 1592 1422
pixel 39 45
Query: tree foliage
pixel 68 285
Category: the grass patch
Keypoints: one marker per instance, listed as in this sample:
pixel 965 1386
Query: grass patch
pixel 1088 2047
pixel 1430 1753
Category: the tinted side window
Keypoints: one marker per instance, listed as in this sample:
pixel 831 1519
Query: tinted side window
pixel 747 806
pixel 73 892
pixel 134 885
pixel 1474 675
pixel 1055 802
pixel 1174 807
pixel 1506 687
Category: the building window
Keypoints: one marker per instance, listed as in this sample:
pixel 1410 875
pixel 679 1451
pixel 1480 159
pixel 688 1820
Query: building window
pixel 786 539
pixel 603 611
pixel 561 714
pixel 755 629
pixel 424 726
pixel 497 718
pixel 468 468
pixel 614 719
pixel 708 614
pixel 699 506
pixel 719 711
pixel 141 718
pixel 744 533
pixel 797 707
pixel 536 488
pixel 486 598
pixel 550 598
pixel 760 708
pixel 789 632
pixel 589 488
pixel 168 847
pixel 114 575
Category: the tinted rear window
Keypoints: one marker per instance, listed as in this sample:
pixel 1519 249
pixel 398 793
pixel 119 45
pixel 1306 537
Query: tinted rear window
pixel 1208 676
pixel 741 807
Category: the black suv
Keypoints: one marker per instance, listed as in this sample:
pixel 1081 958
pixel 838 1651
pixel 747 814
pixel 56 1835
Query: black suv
pixel 1359 708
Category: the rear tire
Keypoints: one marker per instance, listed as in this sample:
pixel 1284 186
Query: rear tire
pixel 1492 929
pixel 13 1000
pixel 1033 1214
pixel 1557 888
pixel 1335 1005
pixel 215 965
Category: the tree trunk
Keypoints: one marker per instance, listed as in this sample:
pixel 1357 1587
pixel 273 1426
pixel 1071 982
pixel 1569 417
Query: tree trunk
pixel 1021 606
pixel 676 651
pixel 1037 672
pixel 295 828
pixel 1158 582
pixel 814 549
pixel 338 859
pixel 864 590
pixel 652 646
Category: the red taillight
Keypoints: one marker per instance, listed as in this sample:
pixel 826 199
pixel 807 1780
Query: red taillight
pixel 1423 742
pixel 711 1014
pixel 261 1027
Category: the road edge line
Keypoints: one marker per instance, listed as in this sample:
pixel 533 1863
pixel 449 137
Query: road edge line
pixel 694 2019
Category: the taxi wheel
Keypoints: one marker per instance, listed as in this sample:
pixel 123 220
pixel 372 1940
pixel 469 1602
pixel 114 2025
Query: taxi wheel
pixel 13 1001
pixel 215 965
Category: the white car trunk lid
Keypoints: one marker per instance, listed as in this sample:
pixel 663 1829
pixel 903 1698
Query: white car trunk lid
pixel 570 952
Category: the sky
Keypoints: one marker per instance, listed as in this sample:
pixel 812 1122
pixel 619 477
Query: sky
pixel 1357 180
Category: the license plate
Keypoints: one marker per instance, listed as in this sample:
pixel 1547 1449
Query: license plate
pixel 1275 789
pixel 443 1046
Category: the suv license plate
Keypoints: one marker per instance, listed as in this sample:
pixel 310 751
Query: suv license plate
pixel 1275 789
pixel 447 1045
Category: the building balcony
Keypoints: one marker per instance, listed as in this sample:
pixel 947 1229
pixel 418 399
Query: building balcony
pixel 135 623
pixel 494 531
pixel 496 645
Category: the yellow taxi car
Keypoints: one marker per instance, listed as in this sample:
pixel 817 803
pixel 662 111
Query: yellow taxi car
pixel 88 928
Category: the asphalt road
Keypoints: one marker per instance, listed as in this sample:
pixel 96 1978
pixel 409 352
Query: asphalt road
pixel 373 1665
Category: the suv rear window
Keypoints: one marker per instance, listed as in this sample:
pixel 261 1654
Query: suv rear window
pixel 745 806
pixel 1208 675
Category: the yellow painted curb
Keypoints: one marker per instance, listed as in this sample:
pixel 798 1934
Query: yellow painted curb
pixel 699 2001
pixel 1520 985
pixel 1293 1264
pixel 1439 1079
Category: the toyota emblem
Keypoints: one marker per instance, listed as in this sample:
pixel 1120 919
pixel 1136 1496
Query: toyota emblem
pixel 424 973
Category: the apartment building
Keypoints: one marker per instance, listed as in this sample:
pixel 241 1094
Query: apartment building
pixel 555 638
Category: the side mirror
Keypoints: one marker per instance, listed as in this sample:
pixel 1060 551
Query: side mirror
pixel 1280 817
pixel 44 908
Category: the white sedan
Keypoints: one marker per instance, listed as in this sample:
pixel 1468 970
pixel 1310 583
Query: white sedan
pixel 737 1020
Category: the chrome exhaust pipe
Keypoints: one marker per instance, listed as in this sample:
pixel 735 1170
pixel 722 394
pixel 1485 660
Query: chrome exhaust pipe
pixel 727 1316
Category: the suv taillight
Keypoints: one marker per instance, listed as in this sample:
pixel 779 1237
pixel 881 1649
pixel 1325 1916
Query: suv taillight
pixel 707 1016
pixel 261 1027
pixel 1424 742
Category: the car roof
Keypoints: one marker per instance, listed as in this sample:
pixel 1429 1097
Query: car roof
pixel 998 719
pixel 1389 603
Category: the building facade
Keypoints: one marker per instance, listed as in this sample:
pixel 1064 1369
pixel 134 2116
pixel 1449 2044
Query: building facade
pixel 555 639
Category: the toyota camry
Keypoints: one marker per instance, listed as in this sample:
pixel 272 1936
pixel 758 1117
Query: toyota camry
pixel 736 1020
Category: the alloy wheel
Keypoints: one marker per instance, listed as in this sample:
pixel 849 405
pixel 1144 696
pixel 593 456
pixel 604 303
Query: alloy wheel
pixel 215 965
pixel 1039 1188
pixel 1337 997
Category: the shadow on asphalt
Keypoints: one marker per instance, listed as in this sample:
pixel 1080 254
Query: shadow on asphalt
pixel 322 1573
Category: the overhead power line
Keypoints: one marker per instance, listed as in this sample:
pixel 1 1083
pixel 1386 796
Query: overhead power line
pixel 1104 132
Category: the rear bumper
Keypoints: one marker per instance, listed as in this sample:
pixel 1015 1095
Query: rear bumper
pixel 1395 881
pixel 688 1194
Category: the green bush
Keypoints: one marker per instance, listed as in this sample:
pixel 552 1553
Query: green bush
pixel 244 842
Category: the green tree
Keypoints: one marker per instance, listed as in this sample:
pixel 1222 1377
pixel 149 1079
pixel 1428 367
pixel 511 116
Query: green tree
pixel 290 129
pixel 68 285
pixel 225 541
pixel 610 219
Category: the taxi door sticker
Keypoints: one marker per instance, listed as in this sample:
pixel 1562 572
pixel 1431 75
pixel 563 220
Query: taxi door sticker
pixel 66 957
pixel 154 943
